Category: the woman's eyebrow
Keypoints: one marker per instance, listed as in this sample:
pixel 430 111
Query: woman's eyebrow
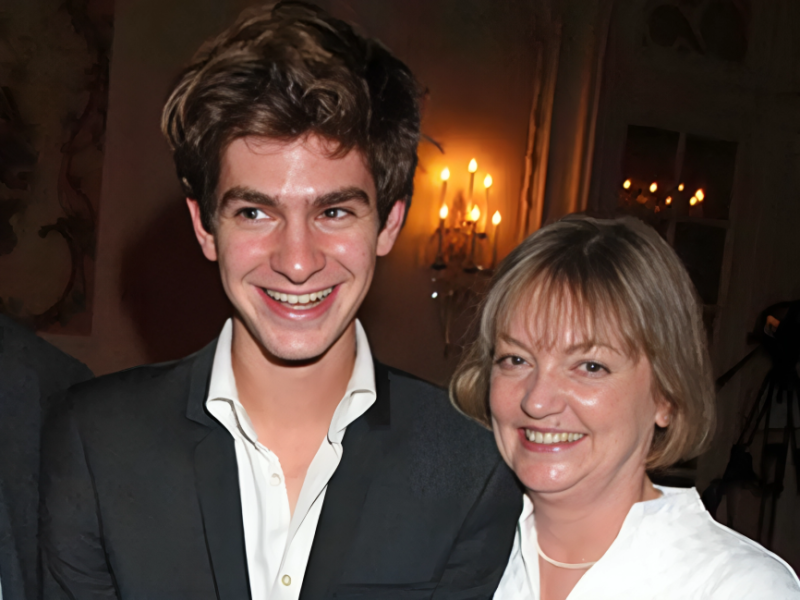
pixel 590 345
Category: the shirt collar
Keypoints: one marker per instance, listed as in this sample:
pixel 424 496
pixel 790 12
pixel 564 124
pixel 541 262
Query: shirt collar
pixel 359 395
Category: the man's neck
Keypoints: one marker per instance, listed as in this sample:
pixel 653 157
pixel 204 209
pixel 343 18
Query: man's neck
pixel 291 406
pixel 286 394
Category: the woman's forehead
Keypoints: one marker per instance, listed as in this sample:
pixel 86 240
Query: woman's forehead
pixel 561 320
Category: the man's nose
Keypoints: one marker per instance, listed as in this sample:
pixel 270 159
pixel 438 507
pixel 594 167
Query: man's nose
pixel 545 395
pixel 298 255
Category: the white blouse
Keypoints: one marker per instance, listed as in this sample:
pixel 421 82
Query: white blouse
pixel 669 547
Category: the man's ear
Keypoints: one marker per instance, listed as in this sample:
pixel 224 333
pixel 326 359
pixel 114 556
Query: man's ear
pixel 390 231
pixel 204 238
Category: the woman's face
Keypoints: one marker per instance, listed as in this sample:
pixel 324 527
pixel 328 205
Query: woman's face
pixel 571 417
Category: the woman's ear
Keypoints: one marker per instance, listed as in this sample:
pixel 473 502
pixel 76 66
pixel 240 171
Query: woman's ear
pixel 663 411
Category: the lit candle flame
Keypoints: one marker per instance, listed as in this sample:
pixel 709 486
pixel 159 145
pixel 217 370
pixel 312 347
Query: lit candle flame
pixel 692 200
pixel 680 187
pixel 626 184
pixel 668 200
pixel 653 187
pixel 445 174
pixel 487 181
pixel 473 165
pixel 496 218
pixel 475 213
pixel 443 212
pixel 700 194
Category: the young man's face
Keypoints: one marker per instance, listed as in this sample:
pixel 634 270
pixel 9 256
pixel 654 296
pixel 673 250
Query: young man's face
pixel 297 234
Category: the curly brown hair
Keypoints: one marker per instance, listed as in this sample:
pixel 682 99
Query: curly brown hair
pixel 285 71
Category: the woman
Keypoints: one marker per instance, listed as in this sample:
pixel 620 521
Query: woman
pixel 591 368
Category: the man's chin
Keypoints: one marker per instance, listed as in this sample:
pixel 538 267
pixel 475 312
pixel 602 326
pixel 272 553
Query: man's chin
pixel 293 353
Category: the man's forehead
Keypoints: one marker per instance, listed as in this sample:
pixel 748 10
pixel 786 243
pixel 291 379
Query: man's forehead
pixel 290 171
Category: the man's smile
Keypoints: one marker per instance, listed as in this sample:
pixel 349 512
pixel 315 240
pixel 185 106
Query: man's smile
pixel 299 301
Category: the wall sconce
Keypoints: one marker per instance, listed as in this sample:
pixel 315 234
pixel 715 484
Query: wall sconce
pixel 460 250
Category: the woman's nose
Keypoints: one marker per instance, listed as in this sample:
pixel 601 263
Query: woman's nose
pixel 544 395
pixel 298 254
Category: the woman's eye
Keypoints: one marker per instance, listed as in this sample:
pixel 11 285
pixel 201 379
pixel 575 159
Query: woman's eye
pixel 594 367
pixel 511 361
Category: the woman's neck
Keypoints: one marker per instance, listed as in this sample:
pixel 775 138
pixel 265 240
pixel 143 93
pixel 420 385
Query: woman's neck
pixel 578 527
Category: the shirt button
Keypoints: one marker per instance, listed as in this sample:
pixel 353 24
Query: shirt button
pixel 274 480
pixel 286 580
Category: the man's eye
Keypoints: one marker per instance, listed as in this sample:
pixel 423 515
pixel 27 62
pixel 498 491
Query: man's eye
pixel 251 214
pixel 334 213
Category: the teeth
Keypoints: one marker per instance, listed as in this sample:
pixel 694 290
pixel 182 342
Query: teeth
pixel 551 438
pixel 299 299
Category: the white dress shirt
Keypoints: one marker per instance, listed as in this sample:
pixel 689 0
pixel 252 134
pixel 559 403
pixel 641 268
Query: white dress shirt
pixel 278 543
pixel 667 548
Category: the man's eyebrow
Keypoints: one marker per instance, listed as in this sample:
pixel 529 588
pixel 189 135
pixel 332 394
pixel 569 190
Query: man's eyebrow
pixel 342 195
pixel 248 195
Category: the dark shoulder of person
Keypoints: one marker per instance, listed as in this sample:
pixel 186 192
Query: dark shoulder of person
pixel 451 444
pixel 36 365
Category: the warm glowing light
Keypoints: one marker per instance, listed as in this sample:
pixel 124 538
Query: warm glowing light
pixel 700 194
pixel 680 187
pixel 443 212
pixel 473 165
pixel 668 200
pixel 496 218
pixel 626 184
pixel 487 181
pixel 475 213
pixel 653 187
pixel 435 295
pixel 692 200
pixel 445 174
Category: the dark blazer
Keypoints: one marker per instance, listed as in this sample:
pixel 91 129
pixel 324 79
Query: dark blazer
pixel 140 496
pixel 32 375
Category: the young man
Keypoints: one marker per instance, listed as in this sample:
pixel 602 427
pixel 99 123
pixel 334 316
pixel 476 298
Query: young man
pixel 281 461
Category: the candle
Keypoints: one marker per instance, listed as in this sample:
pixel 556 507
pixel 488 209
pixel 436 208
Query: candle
pixel 487 183
pixel 474 215
pixel 473 166
pixel 438 262
pixel 496 218
pixel 445 176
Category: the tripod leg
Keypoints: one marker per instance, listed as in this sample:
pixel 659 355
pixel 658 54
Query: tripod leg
pixel 765 485
pixel 780 466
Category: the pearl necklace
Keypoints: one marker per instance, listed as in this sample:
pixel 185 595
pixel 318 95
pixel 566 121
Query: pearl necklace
pixel 561 565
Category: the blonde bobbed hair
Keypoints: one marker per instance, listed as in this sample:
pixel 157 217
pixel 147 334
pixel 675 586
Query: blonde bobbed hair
pixel 621 281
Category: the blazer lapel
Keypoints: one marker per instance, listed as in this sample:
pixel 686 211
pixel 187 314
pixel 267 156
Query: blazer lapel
pixel 347 490
pixel 217 481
